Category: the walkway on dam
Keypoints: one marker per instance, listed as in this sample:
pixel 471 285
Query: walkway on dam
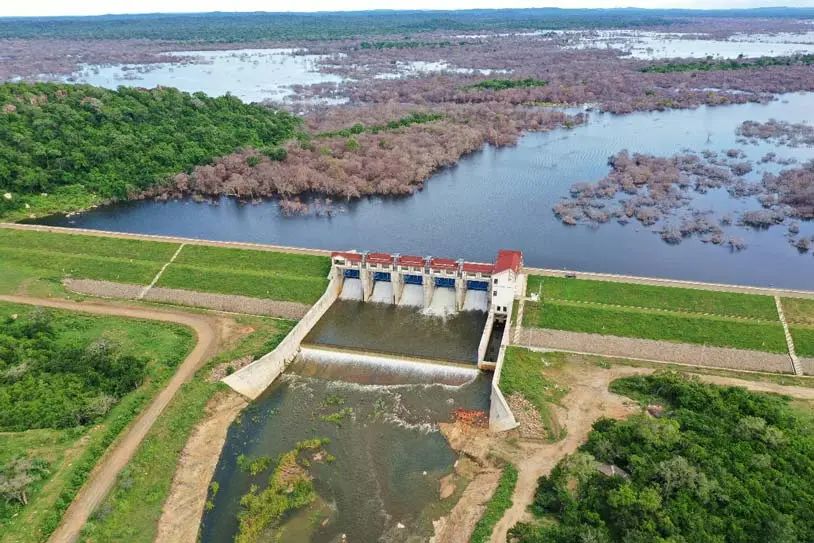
pixel 103 476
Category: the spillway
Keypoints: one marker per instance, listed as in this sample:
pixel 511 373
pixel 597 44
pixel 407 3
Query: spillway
pixel 371 369
pixel 442 304
pixel 352 290
pixel 382 292
pixel 476 300
pixel 412 296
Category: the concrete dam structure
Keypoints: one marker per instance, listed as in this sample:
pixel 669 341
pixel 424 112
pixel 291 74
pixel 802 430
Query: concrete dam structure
pixel 410 318
pixel 439 285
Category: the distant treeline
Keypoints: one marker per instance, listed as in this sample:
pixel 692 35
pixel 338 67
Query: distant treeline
pixel 709 64
pixel 237 27
pixel 111 143
pixel 407 120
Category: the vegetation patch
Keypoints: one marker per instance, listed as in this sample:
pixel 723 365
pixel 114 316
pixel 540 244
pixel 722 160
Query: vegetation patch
pixel 523 373
pixel 710 64
pixel 498 504
pixel 504 84
pixel 654 297
pixel 112 143
pixel 70 384
pixel 289 488
pixel 131 511
pixel 717 464
pixel 798 311
pixel 803 340
pixel 402 122
pixel 663 326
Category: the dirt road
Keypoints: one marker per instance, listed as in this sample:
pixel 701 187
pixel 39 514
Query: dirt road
pixel 103 476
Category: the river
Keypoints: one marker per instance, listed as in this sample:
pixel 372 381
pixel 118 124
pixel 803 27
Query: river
pixel 502 198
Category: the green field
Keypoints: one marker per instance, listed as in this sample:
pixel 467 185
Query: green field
pixel 30 259
pixel 799 311
pixel 653 297
pixel 133 508
pixel 803 340
pixel 712 318
pixel 70 453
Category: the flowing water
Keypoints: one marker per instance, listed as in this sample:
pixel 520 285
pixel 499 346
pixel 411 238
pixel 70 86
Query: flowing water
pixel 352 290
pixel 389 455
pixel 476 300
pixel 443 302
pixel 502 198
pixel 412 296
pixel 382 292
pixel 401 331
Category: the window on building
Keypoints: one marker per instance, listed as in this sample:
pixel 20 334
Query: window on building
pixel 496 281
pixel 494 293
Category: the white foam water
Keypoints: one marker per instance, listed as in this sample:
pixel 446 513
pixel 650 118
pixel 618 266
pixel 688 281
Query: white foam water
pixel 370 369
pixel 476 300
pixel 382 292
pixel 351 290
pixel 412 296
pixel 443 302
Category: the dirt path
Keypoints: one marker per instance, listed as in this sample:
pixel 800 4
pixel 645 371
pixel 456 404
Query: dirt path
pixel 199 458
pixel 103 476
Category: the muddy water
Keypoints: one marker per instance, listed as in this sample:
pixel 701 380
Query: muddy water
pixel 390 457
pixel 398 330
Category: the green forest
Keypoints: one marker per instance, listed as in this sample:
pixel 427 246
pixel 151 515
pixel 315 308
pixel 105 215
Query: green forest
pixel 710 64
pixel 48 383
pixel 703 464
pixel 75 141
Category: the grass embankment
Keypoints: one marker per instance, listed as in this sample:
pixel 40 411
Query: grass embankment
pixel 524 373
pixel 710 65
pixel 70 453
pixel 800 318
pixel 40 260
pixel 402 122
pixel 131 511
pixel 721 319
pixel 499 503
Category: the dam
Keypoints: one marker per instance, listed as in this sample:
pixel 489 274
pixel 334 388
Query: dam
pixel 395 347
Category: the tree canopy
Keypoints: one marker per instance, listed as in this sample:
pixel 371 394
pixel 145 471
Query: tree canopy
pixel 114 142
pixel 716 465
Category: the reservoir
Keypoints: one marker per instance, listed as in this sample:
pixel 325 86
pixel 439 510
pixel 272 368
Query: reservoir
pixel 502 198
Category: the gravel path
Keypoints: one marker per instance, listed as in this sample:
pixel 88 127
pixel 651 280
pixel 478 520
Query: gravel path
pixel 218 302
pixel 103 477
pixel 657 351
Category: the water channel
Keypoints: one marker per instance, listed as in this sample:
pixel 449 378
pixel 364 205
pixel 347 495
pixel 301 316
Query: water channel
pixel 502 198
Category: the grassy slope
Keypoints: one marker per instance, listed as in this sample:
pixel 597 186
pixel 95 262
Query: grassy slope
pixel 671 298
pixel 523 373
pixel 800 317
pixel 73 452
pixel 659 313
pixel 45 257
pixel 132 510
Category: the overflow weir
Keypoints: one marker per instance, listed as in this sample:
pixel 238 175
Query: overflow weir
pixel 416 319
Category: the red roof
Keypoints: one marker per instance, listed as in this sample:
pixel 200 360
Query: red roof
pixel 508 260
pixel 353 257
pixel 380 258
pixel 478 267
pixel 443 263
pixel 409 260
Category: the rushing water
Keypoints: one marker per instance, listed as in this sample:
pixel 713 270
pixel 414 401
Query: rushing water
pixel 252 75
pixel 502 198
pixel 399 330
pixel 390 457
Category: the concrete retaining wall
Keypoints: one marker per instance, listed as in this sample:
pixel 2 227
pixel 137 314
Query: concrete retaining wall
pixel 484 339
pixel 501 417
pixel 808 366
pixel 252 380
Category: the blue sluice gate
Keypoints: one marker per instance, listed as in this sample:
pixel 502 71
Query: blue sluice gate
pixel 381 276
pixel 445 282
pixel 477 285
pixel 351 274
pixel 413 280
